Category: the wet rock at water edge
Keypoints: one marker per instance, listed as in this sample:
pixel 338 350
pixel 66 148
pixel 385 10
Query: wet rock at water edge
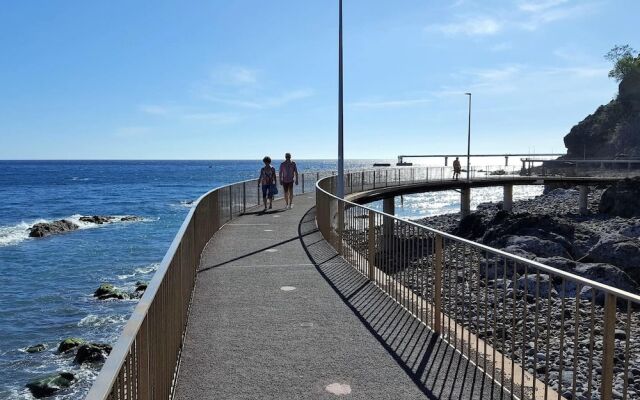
pixel 141 286
pixel 130 218
pixel 50 384
pixel 108 291
pixel 36 348
pixel 51 228
pixel 92 353
pixel 97 219
pixel 70 343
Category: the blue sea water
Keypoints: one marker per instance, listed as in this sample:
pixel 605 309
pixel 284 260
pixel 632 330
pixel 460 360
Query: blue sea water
pixel 47 285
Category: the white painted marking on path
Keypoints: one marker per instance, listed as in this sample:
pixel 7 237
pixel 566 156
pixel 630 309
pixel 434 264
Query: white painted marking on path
pixel 287 288
pixel 268 230
pixel 338 389
pixel 271 250
pixel 276 216
pixel 307 324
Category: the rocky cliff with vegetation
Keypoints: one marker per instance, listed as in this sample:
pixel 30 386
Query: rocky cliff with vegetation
pixel 613 129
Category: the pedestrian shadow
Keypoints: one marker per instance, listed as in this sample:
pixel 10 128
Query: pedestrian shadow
pixel 438 370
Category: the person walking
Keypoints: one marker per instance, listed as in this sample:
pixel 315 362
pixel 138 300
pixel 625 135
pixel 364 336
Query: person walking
pixel 268 181
pixel 456 168
pixel 288 175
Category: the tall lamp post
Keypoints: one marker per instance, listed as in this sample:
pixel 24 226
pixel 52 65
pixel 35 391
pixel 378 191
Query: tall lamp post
pixel 469 139
pixel 340 186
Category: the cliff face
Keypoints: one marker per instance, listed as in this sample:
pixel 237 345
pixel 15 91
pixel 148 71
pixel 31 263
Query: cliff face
pixel 612 130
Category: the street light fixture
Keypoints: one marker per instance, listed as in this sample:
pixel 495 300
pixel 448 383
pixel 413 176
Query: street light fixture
pixel 340 185
pixel 469 139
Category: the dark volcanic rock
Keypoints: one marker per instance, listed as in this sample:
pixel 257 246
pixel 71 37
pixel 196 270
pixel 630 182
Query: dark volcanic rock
pixel 97 219
pixel 535 245
pixel 472 226
pixel 612 129
pixel 69 344
pixel 50 384
pixel 92 353
pixel 130 218
pixel 36 348
pixel 622 199
pixel 607 274
pixel 543 227
pixel 141 286
pixel 108 291
pixel 50 228
pixel 618 250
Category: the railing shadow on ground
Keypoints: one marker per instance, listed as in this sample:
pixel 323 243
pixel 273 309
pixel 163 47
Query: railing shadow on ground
pixel 438 370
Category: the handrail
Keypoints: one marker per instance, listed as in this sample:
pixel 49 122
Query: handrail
pixel 407 259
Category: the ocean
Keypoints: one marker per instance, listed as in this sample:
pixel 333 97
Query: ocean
pixel 47 284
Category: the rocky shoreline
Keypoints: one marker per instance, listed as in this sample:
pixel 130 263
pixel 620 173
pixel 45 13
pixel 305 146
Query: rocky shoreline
pixel 566 319
pixel 44 229
pixel 602 246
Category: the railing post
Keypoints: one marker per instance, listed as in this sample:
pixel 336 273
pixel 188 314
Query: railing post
pixel 302 176
pixel 340 226
pixel 258 193
pixel 372 245
pixel 230 203
pixel 244 197
pixel 374 178
pixel 362 181
pixel 437 301
pixel 608 346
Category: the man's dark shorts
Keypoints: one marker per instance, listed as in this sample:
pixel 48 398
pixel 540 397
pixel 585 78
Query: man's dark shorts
pixel 287 186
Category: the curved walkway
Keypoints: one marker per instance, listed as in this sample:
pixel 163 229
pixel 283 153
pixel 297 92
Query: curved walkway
pixel 277 314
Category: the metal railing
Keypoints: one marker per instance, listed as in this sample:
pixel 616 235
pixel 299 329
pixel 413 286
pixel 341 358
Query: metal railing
pixel 540 332
pixel 144 361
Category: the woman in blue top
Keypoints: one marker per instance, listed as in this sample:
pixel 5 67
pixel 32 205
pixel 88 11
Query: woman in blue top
pixel 268 181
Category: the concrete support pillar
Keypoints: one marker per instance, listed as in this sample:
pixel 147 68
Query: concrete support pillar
pixel 388 207
pixel 524 168
pixel 465 201
pixel 506 161
pixel 507 202
pixel 584 191
pixel 446 161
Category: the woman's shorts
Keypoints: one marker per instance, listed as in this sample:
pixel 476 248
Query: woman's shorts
pixel 287 186
pixel 266 191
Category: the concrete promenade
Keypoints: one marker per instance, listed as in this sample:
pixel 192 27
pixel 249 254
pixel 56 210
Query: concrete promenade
pixel 277 314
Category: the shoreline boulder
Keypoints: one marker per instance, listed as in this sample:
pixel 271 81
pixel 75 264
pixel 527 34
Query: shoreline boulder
pixel 92 353
pixel 97 219
pixel 108 291
pixel 51 228
pixel 70 343
pixel 49 385
pixel 622 199
pixel 36 348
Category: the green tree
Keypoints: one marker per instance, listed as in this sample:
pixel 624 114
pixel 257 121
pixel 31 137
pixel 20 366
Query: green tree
pixel 625 60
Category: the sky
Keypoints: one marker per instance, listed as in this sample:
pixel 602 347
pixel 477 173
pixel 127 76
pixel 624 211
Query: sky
pixel 244 78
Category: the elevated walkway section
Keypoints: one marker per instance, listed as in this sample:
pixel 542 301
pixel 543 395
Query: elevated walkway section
pixel 277 314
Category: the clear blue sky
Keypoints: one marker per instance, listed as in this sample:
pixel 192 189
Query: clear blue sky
pixel 243 78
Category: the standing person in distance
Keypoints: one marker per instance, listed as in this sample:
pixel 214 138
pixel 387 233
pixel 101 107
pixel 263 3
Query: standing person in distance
pixel 288 174
pixel 268 181
pixel 456 169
